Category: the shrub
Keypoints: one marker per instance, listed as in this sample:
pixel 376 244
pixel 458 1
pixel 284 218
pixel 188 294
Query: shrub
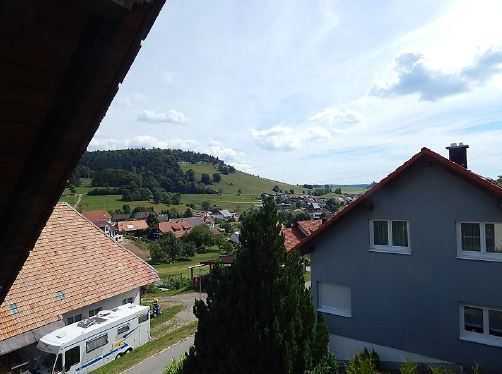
pixel 441 370
pixel 176 367
pixel 327 365
pixel 409 368
pixel 364 363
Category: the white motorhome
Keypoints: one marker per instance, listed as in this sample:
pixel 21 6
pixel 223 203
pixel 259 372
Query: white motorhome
pixel 86 345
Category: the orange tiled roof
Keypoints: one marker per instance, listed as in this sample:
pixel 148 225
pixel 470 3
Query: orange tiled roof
pixel 308 227
pixel 294 235
pixel 98 217
pixel 179 227
pixel 74 257
pixel 135 225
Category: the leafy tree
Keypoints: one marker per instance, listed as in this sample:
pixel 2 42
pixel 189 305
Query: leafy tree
pixel 170 246
pixel 152 220
pixel 205 178
pixel 216 177
pixel 172 213
pixel 190 175
pixel 338 191
pixel 276 188
pixel 227 227
pixel 126 209
pixel 188 213
pixel 270 323
pixel 200 236
pixel 187 249
pixel 332 205
pixel 239 192
pixel 205 205
pixel 292 191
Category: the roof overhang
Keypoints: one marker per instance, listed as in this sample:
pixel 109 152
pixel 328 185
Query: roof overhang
pixel 62 64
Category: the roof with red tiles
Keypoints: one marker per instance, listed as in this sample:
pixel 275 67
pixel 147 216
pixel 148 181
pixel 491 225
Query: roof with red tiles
pixel 73 264
pixel 98 217
pixel 133 225
pixel 302 229
pixel 424 154
pixel 179 227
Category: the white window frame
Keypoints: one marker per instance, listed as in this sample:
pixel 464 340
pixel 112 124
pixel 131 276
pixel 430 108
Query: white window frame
pixel 477 255
pixel 390 248
pixel 476 337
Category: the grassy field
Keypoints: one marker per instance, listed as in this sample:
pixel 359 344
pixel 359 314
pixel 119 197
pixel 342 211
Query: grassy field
pixel 232 183
pixel 181 267
pixel 147 350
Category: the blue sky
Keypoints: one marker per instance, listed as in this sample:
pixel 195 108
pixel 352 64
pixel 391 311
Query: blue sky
pixel 316 91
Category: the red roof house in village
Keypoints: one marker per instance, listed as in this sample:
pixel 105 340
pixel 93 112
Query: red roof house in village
pixel 73 272
pixel 132 226
pixel 179 227
pixel 301 230
pixel 99 217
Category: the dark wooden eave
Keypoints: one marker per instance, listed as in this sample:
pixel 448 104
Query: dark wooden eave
pixel 61 65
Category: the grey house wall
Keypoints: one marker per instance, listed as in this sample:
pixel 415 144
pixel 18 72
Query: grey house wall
pixel 411 302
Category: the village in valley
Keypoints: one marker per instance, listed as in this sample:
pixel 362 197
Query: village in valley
pixel 306 187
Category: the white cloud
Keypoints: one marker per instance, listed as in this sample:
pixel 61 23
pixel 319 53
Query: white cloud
pixel 229 155
pixel 142 141
pixel 287 138
pixel 414 77
pixel 171 116
pixel 336 119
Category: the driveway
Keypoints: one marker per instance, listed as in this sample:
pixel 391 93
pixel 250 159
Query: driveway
pixel 158 362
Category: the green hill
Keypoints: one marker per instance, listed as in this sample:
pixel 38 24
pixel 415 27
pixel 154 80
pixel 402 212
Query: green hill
pixel 232 183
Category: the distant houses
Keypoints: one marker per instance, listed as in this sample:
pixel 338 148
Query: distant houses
pixel 73 272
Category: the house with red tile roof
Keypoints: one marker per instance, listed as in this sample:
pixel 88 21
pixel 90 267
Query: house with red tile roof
pixel 179 227
pixel 99 217
pixel 132 226
pixel 413 267
pixel 300 230
pixel 73 272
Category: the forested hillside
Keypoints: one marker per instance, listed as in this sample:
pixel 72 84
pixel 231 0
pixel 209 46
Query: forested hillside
pixel 143 174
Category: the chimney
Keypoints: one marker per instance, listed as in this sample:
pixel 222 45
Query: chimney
pixel 458 153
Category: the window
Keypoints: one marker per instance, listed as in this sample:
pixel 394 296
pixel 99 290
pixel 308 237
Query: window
pixel 334 299
pixel 129 300
pixel 481 324
pixel 73 319
pixel 480 240
pixel 143 318
pixel 122 329
pixel 71 357
pixel 96 343
pixel 58 367
pixel 13 309
pixel 93 312
pixel 390 236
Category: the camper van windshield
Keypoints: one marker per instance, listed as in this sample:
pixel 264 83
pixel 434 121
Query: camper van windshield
pixel 48 361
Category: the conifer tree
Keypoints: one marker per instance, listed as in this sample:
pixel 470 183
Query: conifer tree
pixel 258 316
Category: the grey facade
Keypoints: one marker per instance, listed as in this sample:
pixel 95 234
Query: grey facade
pixel 411 302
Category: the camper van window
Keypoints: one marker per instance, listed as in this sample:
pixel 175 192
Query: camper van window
pixel 96 343
pixel 69 320
pixel 93 312
pixel 71 357
pixel 58 367
pixel 122 329
pixel 143 318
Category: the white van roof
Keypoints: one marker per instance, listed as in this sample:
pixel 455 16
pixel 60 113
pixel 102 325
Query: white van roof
pixel 101 322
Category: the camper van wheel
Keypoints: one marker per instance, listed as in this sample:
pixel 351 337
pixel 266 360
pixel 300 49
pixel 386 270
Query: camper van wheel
pixel 118 356
pixel 129 350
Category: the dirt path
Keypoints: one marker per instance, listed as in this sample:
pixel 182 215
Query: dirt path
pixel 79 199
pixel 137 250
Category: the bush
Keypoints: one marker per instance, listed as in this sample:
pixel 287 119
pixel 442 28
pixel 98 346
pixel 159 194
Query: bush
pixel 327 365
pixel 409 368
pixel 364 363
pixel 104 191
pixel 176 367
pixel 176 282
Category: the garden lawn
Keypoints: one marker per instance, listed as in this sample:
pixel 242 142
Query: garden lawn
pixel 181 266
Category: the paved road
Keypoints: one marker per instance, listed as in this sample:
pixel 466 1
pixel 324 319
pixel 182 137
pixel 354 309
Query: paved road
pixel 156 364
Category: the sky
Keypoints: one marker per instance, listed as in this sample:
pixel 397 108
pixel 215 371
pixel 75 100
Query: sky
pixel 316 91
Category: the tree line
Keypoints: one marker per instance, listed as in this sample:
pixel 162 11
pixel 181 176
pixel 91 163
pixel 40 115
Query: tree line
pixel 147 174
